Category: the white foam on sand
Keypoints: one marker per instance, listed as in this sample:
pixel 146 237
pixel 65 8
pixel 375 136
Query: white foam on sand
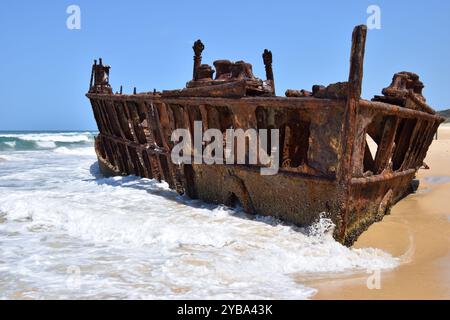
pixel 135 238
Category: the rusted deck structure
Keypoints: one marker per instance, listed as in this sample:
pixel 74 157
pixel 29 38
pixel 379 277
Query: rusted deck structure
pixel 326 164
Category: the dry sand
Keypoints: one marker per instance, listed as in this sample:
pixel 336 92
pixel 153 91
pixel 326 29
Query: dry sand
pixel 417 231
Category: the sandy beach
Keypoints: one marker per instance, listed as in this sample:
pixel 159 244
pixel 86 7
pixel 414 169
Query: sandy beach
pixel 417 232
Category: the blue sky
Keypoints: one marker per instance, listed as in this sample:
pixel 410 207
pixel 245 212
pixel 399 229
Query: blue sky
pixel 45 67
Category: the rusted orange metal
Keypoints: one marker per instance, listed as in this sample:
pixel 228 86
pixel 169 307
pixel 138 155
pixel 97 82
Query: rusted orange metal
pixel 326 163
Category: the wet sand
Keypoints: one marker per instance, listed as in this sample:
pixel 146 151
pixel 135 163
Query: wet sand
pixel 417 232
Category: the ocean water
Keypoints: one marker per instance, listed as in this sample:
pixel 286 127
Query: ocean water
pixel 68 232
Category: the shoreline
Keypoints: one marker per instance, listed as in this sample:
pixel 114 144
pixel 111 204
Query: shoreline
pixel 417 232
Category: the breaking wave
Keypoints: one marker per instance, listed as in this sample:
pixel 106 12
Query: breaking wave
pixel 38 140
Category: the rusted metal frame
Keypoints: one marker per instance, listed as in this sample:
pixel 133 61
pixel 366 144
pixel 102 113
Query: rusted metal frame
pixel 99 148
pixel 187 121
pixel 174 170
pixel 285 142
pixel 402 144
pixel 198 48
pixel 310 177
pixel 141 163
pixel 99 141
pixel 147 129
pixel 178 118
pixel 166 174
pixel 421 137
pixel 123 119
pixel 190 115
pixel 167 121
pixel 153 117
pixel 97 117
pixel 92 76
pixel 368 161
pixel 349 122
pixel 394 110
pixel 142 168
pixel 114 159
pixel 139 152
pixel 130 160
pixel 109 153
pixel 129 117
pixel 430 135
pixel 114 119
pixel 151 143
pixel 352 105
pixel 126 109
pixel 134 159
pixel 426 141
pixel 138 146
pixel 267 59
pixel 147 164
pixel 386 146
pixel 381 177
pixel 126 156
pixel 101 124
pixel 136 122
pixel 107 118
pixel 297 145
pixel 305 103
pixel 281 102
pixel 361 152
pixel 151 139
pixel 122 156
pixel 156 166
pixel 127 162
pixel 412 145
pixel 104 120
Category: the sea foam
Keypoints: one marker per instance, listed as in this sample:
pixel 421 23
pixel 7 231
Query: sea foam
pixel 135 238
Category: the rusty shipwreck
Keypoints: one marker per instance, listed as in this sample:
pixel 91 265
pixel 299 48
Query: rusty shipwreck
pixel 326 164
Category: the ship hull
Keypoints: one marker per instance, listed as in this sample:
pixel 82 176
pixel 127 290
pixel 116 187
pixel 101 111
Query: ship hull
pixel 135 139
pixel 327 164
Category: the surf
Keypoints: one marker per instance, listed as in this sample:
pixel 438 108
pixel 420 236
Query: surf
pixel 134 238
pixel 28 141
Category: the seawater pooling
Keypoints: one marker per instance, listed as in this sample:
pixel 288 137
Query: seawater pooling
pixel 68 232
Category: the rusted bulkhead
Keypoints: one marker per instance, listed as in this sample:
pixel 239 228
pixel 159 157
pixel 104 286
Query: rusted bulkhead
pixel 326 161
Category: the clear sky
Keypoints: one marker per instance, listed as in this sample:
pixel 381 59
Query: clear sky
pixel 45 67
